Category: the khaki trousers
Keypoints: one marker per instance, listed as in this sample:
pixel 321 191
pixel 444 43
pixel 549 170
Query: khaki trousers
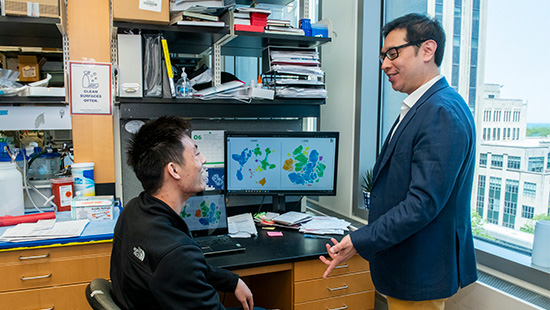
pixel 398 304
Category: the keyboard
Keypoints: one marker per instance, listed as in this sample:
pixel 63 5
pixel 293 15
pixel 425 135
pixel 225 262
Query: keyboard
pixel 221 244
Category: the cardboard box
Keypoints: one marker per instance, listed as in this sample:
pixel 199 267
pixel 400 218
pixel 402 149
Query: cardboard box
pixel 94 208
pixel 36 8
pixel 129 10
pixel 29 70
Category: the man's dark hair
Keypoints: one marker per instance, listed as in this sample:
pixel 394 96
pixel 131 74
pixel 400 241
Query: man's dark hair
pixel 420 27
pixel 156 144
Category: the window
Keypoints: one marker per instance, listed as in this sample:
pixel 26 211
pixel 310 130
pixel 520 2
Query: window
pixel 527 212
pixel 480 195
pixel 494 200
pixel 496 116
pixel 483 159
pixel 535 164
pixel 516 116
pixel 510 203
pixel 487 114
pixel 496 161
pixel 507 101
pixel 514 162
pixel 530 189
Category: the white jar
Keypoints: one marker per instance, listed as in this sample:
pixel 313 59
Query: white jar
pixel 83 179
pixel 11 190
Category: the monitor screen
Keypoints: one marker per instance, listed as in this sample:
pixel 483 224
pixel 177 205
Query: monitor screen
pixel 289 163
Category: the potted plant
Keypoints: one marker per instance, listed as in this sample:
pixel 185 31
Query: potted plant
pixel 366 184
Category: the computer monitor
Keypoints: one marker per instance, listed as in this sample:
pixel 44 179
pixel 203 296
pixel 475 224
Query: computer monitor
pixel 281 164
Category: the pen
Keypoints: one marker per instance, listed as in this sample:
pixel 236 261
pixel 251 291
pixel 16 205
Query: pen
pixel 316 237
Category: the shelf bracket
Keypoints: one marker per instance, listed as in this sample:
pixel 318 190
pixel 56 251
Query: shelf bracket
pixel 217 50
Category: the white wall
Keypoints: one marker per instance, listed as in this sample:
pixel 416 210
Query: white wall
pixel 339 61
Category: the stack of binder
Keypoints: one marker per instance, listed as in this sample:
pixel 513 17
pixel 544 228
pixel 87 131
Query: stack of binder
pixel 295 73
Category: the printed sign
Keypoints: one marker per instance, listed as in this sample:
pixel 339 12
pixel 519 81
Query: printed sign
pixel 90 88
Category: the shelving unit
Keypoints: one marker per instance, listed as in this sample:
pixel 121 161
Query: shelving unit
pixel 40 36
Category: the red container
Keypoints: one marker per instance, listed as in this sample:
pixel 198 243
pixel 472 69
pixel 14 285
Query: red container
pixel 62 189
pixel 258 19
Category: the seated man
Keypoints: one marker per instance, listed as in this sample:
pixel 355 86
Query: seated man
pixel 155 264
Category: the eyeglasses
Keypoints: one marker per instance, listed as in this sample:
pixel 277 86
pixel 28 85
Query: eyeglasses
pixel 393 52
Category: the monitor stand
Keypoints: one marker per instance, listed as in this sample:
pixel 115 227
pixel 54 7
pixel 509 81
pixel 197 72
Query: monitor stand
pixel 279 203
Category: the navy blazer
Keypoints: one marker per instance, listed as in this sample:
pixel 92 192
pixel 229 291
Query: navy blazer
pixel 419 238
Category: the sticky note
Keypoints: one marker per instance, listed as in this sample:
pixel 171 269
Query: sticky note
pixel 268 228
pixel 275 233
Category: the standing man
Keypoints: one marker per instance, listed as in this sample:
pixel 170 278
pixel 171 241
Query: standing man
pixel 419 239
pixel 155 264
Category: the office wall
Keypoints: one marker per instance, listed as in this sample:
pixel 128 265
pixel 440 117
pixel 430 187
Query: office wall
pixel 339 59
pixel 352 72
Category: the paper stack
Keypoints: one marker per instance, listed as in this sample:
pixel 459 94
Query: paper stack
pixel 292 218
pixel 325 225
pixel 295 73
pixel 44 229
pixel 241 226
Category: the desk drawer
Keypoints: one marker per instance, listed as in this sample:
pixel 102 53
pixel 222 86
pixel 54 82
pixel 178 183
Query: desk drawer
pixel 313 269
pixel 332 287
pixel 69 297
pixel 358 301
pixel 53 253
pixel 58 272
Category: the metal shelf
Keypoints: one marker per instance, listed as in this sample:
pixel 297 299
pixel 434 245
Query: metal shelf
pixel 16 101
pixel 30 31
pixel 149 108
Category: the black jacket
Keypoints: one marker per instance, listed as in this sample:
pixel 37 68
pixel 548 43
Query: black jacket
pixel 155 264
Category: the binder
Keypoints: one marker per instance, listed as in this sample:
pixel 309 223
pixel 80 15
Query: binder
pixel 169 76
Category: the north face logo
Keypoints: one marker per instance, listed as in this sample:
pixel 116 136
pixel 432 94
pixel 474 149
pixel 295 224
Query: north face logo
pixel 139 253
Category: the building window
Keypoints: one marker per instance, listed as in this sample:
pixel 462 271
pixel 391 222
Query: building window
pixel 516 116
pixel 530 189
pixel 494 200
pixel 548 161
pixel 527 212
pixel 491 96
pixel 536 164
pixel 480 194
pixel 484 134
pixel 510 203
pixel 483 159
pixel 494 133
pixel 496 161
pixel 496 116
pixel 487 115
pixel 507 116
pixel 514 162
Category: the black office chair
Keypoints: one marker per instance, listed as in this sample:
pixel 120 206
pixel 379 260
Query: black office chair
pixel 98 294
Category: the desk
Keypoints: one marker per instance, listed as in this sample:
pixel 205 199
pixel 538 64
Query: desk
pixel 282 272
pixel 286 273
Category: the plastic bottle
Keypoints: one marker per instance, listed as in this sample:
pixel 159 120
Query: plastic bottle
pixel 11 186
pixel 183 87
pixel 83 179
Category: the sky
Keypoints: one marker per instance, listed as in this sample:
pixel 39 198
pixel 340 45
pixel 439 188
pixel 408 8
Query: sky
pixel 518 53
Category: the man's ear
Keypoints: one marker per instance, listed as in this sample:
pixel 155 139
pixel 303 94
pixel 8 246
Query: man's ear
pixel 428 50
pixel 173 170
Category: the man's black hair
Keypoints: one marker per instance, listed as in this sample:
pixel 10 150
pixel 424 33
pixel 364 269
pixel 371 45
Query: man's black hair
pixel 420 27
pixel 156 144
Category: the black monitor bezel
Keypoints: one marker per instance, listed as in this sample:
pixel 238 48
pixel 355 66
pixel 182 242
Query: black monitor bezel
pixel 282 134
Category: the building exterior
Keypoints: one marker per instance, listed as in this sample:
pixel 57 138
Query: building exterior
pixel 513 180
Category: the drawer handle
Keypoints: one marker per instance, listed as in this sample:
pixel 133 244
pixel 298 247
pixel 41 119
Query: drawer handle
pixel 34 257
pixel 338 288
pixel 48 308
pixel 34 278
pixel 342 266
pixel 341 308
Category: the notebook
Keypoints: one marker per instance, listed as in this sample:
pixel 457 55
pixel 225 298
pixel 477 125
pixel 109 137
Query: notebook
pixel 206 218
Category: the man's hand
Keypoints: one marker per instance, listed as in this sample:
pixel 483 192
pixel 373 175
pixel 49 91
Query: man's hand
pixel 339 252
pixel 244 295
